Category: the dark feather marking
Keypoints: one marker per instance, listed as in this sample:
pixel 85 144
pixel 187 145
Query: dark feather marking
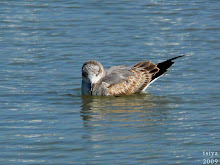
pixel 155 70
pixel 163 66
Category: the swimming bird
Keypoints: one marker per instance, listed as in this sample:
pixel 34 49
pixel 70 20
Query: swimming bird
pixel 122 79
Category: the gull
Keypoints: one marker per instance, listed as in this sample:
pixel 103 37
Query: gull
pixel 122 79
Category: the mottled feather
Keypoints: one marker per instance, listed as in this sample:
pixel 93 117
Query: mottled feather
pixel 142 74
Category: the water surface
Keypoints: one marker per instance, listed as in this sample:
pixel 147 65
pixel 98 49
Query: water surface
pixel 45 120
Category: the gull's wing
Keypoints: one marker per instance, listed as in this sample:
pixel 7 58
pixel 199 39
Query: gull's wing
pixel 117 74
pixel 129 80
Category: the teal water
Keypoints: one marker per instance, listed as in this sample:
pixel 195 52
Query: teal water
pixel 45 120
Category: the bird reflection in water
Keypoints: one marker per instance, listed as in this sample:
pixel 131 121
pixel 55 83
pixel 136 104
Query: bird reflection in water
pixel 141 107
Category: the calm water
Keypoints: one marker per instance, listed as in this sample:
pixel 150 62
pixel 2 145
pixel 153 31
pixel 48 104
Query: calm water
pixel 45 120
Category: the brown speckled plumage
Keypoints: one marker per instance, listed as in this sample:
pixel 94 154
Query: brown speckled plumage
pixel 142 76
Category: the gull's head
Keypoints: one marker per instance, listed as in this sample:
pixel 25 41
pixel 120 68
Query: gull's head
pixel 92 71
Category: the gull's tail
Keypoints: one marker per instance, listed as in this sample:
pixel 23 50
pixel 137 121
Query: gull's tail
pixel 163 66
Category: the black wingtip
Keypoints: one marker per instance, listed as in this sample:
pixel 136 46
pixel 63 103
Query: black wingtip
pixel 163 66
pixel 176 57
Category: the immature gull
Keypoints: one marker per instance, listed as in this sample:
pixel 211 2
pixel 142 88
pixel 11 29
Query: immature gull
pixel 121 80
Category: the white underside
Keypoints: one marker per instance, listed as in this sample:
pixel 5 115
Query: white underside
pixel 150 83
